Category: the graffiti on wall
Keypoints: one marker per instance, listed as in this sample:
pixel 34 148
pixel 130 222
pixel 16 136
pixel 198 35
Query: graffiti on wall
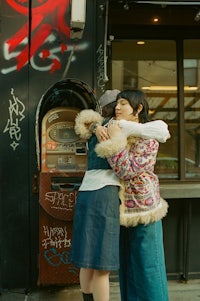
pixel 48 31
pixel 60 200
pixel 55 237
pixel 101 68
pixel 56 245
pixel 16 115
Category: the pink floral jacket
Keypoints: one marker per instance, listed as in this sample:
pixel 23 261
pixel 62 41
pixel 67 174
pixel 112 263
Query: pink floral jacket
pixel 133 162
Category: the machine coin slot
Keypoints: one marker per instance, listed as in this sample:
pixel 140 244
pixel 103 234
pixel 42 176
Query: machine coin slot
pixel 65 183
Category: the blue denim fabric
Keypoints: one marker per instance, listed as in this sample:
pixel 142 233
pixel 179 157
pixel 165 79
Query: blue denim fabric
pixel 95 238
pixel 142 265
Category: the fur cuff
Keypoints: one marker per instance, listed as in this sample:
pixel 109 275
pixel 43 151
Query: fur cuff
pixel 150 216
pixel 111 147
pixel 83 121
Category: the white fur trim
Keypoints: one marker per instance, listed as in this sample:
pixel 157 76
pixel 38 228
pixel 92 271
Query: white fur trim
pixel 143 217
pixel 83 120
pixel 110 147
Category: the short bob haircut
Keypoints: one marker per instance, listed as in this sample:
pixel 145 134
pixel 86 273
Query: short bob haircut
pixel 136 97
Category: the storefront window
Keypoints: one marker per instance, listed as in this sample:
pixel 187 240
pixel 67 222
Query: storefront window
pixel 151 65
pixel 192 107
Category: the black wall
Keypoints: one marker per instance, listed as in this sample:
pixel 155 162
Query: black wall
pixel 36 52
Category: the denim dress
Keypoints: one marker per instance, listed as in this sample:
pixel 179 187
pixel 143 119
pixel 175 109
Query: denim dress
pixel 95 236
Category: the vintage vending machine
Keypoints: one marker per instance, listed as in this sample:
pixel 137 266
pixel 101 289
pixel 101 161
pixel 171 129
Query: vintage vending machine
pixel 62 161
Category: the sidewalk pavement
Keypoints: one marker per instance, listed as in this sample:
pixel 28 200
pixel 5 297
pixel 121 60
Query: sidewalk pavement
pixel 189 291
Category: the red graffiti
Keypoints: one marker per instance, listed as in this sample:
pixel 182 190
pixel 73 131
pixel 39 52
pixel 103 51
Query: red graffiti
pixel 45 54
pixel 41 28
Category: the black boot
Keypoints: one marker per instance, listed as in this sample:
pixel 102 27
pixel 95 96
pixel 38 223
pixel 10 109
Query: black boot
pixel 87 297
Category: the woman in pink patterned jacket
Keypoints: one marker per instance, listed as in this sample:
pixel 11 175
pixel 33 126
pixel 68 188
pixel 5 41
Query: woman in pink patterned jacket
pixel 142 263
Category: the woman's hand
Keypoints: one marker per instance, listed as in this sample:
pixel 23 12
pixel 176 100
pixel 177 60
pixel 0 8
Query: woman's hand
pixel 101 133
pixel 114 130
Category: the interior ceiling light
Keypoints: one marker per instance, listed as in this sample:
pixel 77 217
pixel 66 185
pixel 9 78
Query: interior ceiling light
pixel 140 42
pixel 155 20
pixel 168 88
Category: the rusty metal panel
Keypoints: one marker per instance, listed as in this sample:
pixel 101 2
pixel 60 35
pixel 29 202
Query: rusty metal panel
pixel 55 267
pixel 58 193
pixel 55 228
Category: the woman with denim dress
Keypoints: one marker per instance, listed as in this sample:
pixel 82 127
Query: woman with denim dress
pixel 142 264
pixel 95 237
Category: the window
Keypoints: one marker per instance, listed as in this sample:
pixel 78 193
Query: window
pixel 151 65
pixel 192 108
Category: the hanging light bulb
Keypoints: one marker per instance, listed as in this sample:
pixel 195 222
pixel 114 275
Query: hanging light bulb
pixel 197 17
pixel 126 6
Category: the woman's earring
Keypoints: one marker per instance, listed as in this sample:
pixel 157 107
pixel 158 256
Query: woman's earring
pixel 135 117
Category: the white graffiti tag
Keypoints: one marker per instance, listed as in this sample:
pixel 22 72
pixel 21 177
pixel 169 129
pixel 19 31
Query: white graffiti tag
pixel 100 68
pixel 16 115
pixel 60 200
pixel 55 237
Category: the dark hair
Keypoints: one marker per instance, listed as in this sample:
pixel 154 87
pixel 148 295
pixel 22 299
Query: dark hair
pixel 136 97
pixel 109 109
